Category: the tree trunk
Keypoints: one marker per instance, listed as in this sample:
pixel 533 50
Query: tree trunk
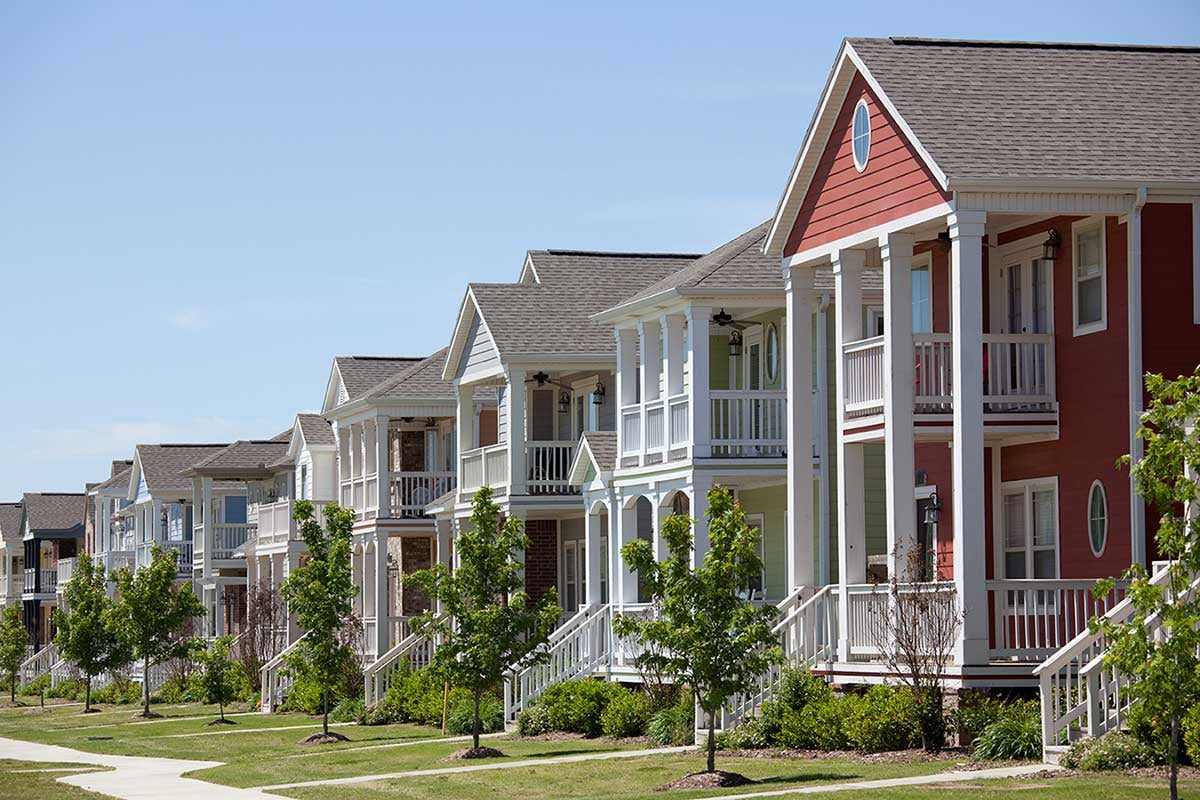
pixel 87 693
pixel 325 708
pixel 1173 757
pixel 146 686
pixel 712 742
pixel 221 707
pixel 475 723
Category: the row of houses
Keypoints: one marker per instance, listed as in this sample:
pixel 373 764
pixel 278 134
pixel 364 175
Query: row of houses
pixel 934 345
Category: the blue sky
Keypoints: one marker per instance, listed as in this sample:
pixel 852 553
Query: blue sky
pixel 202 204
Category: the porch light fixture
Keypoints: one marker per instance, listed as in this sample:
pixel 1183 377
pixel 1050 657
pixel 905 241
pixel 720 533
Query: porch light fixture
pixel 933 510
pixel 163 517
pixel 1050 246
pixel 598 394
pixel 564 402
pixel 735 343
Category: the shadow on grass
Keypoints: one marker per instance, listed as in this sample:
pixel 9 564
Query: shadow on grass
pixel 809 777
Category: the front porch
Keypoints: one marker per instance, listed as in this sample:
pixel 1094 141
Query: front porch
pixel 393 468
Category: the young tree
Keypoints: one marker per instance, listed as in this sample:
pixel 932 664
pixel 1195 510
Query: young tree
pixel 489 623
pixel 89 632
pixel 321 593
pixel 260 641
pixel 1157 648
pixel 706 632
pixel 915 627
pixel 218 678
pixel 153 612
pixel 13 638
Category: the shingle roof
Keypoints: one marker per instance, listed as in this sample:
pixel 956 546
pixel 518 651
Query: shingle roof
pixel 1045 111
pixel 119 479
pixel 422 379
pixel 163 464
pixel 361 373
pixel 120 466
pixel 246 455
pixel 12 519
pixel 53 511
pixel 603 446
pixel 553 318
pixel 316 429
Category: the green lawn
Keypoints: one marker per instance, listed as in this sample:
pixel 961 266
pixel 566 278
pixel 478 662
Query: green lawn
pixel 1070 787
pixel 16 784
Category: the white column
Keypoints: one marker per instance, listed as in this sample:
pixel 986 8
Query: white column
pixel 799 355
pixel 626 393
pixel 898 375
pixel 219 603
pixel 673 353
pixel 464 425
pixel 699 411
pixel 1137 505
pixel 650 340
pixel 966 279
pixel 515 408
pixel 383 609
pixel 852 537
pixel 382 467
pixel 591 544
pixel 623 577
pixel 699 510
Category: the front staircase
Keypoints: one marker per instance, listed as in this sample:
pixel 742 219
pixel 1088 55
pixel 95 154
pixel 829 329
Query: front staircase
pixel 274 680
pixel 577 648
pixel 414 651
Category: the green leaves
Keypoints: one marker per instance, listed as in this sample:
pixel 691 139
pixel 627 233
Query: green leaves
pixel 155 607
pixel 12 646
pixel 90 630
pixel 218 675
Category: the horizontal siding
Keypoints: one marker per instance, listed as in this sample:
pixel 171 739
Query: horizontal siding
pixel 478 354
pixel 841 200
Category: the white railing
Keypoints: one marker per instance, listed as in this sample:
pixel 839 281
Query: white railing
pixel 156 676
pixel 228 538
pixel 1018 374
pixel 361 494
pixel 29 580
pixel 575 649
pixel 273 678
pixel 749 423
pixel 627 649
pixel 38 664
pixel 656 430
pixel 414 651
pixel 1080 695
pixel 870 603
pixel 549 467
pixel 49 580
pixel 1033 618
pixel 631 429
pixel 116 560
pixel 807 631
pixel 412 491
pixel 64 571
pixel 485 466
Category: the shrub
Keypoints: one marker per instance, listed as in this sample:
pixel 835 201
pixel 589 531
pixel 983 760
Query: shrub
pixel 882 719
pixel 1111 752
pixel 534 721
pixel 120 692
pixel 749 735
pixel 1191 733
pixel 974 713
pixel 577 706
pixel 38 686
pixel 66 690
pixel 414 695
pixel 626 715
pixel 351 709
pixel 799 688
pixel 461 718
pixel 675 724
pixel 1016 738
pixel 817 726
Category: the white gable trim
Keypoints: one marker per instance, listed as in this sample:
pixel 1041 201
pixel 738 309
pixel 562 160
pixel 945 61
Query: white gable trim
pixel 333 388
pixel 847 65
pixel 462 327
pixel 529 273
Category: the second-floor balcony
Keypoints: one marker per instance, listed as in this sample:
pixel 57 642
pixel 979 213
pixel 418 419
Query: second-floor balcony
pixel 547 468
pixel 183 549
pixel 64 571
pixel 227 539
pixel 1018 375
pixel 40 581
pixel 275 526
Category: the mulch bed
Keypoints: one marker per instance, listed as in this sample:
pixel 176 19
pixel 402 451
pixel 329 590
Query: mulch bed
pixel 220 721
pixel 916 756
pixel 474 752
pixel 323 738
pixel 717 779
pixel 147 715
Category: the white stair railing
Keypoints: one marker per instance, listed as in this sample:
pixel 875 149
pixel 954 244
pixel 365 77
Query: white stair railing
pixel 414 650
pixel 577 648
pixel 38 664
pixel 1080 695
pixel 807 633
pixel 274 683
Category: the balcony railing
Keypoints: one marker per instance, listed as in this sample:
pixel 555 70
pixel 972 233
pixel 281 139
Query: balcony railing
pixel 184 549
pixel 1031 619
pixel 64 571
pixel 1018 374
pixel 749 423
pixel 361 493
pixel 485 466
pixel 116 560
pixel 412 491
pixel 549 466
pixel 665 422
pixel 227 538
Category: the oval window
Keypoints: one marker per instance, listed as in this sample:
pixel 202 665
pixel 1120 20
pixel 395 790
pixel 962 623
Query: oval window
pixel 1097 518
pixel 772 353
pixel 862 135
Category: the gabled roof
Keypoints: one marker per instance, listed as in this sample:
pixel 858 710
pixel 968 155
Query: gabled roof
pixel 119 467
pixel 1027 114
pixel 118 483
pixel 420 380
pixel 12 520
pixel 162 466
pixel 598 451
pixel 246 458
pixel 352 376
pixel 316 430
pixel 47 512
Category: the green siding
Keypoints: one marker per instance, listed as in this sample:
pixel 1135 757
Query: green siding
pixel 771 502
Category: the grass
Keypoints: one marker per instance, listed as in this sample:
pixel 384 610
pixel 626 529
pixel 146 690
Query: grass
pixel 1069 787
pixel 18 785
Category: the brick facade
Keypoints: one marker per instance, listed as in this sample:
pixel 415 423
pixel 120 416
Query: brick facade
pixel 541 559
pixel 414 556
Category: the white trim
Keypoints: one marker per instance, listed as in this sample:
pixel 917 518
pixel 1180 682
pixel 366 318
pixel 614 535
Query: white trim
pixel 861 104
pixel 1078 227
pixel 828 252
pixel 772 330
pixel 1107 518
pixel 1027 487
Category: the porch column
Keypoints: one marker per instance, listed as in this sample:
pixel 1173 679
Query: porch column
pixel 650 341
pixel 625 579
pixel 383 481
pixel 464 424
pixel 966 323
pixel 699 511
pixel 515 408
pixel 1133 261
pixel 800 433
pixel 351 467
pixel 898 375
pixel 219 605
pixel 673 353
pixel 592 532
pixel 852 536
pixel 383 609
pixel 699 410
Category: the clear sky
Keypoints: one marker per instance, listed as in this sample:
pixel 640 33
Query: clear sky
pixel 202 203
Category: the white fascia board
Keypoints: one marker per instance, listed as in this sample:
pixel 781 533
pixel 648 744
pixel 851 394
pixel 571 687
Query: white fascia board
pixel 335 377
pixel 458 338
pixel 634 308
pixel 827 252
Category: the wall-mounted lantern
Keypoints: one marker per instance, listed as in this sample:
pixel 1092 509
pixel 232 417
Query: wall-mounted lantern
pixel 1050 246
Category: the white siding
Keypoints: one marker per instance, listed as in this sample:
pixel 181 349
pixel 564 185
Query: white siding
pixel 478 356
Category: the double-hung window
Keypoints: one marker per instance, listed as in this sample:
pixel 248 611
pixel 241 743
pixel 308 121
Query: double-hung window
pixel 1089 276
pixel 1029 513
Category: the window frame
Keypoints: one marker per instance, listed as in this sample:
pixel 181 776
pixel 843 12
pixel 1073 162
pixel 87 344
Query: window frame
pixel 861 105
pixel 1027 488
pixel 1098 484
pixel 1077 228
pixel 922 262
pixel 771 353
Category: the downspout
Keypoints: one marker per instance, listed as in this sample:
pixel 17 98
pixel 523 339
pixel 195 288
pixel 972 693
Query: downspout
pixel 1133 236
pixel 822 437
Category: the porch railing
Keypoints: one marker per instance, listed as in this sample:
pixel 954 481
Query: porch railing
pixel 361 494
pixel 39 663
pixel 65 569
pixel 869 605
pixel 273 677
pixel 228 538
pixel 749 423
pixel 549 467
pixel 412 491
pixel 1033 618
pixel 575 649
pixel 183 549
pixel 485 466
pixel 414 651
pixel 48 580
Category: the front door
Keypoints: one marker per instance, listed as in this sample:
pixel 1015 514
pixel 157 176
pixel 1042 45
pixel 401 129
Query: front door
pixel 1022 294
pixel 574 576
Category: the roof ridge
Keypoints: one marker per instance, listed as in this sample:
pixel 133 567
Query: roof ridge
pixel 383 358
pixel 187 444
pixel 615 253
pixel 919 41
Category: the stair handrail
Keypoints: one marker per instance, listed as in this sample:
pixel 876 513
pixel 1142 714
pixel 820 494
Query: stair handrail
pixel 268 675
pixel 375 675
pixel 39 663
pixel 567 656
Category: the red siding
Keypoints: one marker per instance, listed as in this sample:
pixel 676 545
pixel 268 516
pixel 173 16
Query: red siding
pixel 841 200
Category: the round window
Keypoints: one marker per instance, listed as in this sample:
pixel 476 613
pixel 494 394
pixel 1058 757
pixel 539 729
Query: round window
pixel 862 134
pixel 772 353
pixel 1097 518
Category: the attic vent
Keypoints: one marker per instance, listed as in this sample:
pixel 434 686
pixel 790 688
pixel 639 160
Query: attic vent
pixel 862 134
pixel 342 394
